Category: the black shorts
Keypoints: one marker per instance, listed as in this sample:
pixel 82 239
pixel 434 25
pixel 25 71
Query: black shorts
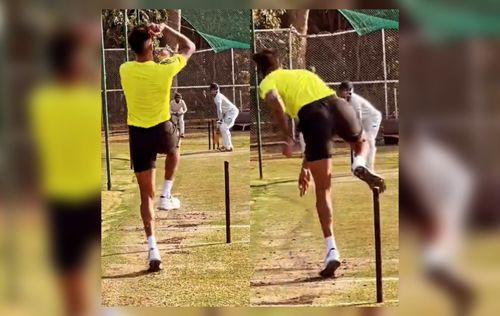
pixel 146 143
pixel 74 228
pixel 320 120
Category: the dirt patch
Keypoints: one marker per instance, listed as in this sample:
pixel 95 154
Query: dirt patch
pixel 131 229
pixel 171 240
pixel 183 225
pixel 284 278
pixel 300 300
pixel 178 252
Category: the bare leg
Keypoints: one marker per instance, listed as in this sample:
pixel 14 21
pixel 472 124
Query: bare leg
pixel 171 164
pixel 73 286
pixel 321 172
pixel 361 147
pixel 146 181
pixel 370 161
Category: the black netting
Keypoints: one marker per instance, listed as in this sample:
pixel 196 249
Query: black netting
pixel 230 69
pixel 335 58
pixel 113 60
pixel 192 82
pixel 279 40
pixel 346 57
pixel 392 54
pixel 205 68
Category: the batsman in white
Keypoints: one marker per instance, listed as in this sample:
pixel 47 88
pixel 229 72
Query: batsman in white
pixel 227 113
pixel 368 115
pixel 177 109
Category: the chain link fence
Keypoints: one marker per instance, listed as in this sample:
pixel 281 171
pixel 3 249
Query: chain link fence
pixel 370 61
pixel 229 69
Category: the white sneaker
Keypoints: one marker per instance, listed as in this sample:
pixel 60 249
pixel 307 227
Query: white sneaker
pixel 167 204
pixel 332 262
pixel 154 260
pixel 373 180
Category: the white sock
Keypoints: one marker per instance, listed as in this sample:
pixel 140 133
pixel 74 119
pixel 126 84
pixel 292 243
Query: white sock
pixel 330 243
pixel 167 188
pixel 358 161
pixel 151 242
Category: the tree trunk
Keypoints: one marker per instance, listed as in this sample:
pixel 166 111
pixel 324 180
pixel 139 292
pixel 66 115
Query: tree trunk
pixel 298 19
pixel 174 21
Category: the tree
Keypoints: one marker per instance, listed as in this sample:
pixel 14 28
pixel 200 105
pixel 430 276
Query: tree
pixel 114 25
pixel 298 19
pixel 267 18
pixel 174 21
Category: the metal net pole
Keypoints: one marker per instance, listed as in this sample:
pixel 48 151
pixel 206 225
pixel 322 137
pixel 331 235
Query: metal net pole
pixel 290 50
pixel 105 109
pixel 385 75
pixel 256 82
pixel 232 75
pixel 126 33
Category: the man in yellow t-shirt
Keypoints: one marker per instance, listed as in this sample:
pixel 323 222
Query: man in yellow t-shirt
pixel 321 115
pixel 146 85
pixel 65 121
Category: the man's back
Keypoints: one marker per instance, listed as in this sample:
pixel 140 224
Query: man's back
pixel 66 122
pixel 147 89
pixel 297 87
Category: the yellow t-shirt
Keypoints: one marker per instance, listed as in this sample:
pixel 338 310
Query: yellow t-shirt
pixel 147 89
pixel 66 127
pixel 296 87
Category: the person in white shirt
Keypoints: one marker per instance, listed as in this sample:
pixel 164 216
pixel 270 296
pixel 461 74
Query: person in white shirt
pixel 368 115
pixel 177 109
pixel 227 113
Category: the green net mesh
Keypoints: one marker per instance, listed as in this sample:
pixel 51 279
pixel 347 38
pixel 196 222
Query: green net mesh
pixel 222 29
pixel 367 21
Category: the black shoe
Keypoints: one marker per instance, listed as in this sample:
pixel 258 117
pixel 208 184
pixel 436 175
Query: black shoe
pixel 329 270
pixel 332 264
pixel 373 180
pixel 154 266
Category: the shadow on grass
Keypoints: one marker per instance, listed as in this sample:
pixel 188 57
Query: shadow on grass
pixel 214 244
pixel 192 153
pixel 126 275
pixel 296 281
pixel 121 253
pixel 203 245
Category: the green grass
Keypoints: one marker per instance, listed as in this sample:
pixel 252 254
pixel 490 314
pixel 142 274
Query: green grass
pixel 199 268
pixel 287 244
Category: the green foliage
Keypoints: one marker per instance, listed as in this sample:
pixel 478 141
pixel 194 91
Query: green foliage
pixel 114 26
pixel 268 19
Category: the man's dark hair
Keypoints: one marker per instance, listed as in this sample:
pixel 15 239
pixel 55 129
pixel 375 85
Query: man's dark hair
pixel 137 37
pixel 346 85
pixel 267 60
pixel 61 49
pixel 178 95
pixel 214 86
